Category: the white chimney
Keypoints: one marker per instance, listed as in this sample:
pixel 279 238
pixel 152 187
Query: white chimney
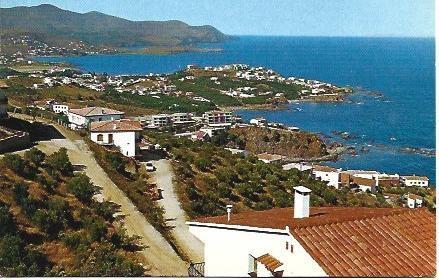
pixel 301 202
pixel 229 211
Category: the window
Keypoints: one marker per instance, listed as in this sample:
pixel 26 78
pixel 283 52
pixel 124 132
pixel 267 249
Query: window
pixel 252 264
pixel 286 245
pixel 100 137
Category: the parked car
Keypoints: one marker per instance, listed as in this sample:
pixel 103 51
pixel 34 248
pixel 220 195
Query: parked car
pixel 149 167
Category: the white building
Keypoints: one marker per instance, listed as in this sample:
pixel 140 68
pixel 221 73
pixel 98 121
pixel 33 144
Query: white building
pixel 181 118
pixel 327 174
pixel 258 121
pixel 413 200
pixel 80 118
pixel 297 165
pixel 120 133
pixel 414 181
pixel 159 120
pixel 217 118
pixel 59 108
pixel 317 242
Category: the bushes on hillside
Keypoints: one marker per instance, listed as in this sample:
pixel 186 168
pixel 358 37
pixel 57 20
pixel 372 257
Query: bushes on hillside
pixel 81 187
pixel 20 166
pixel 35 156
pixel 59 163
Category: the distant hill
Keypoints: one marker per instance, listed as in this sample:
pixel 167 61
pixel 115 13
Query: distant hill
pixel 53 25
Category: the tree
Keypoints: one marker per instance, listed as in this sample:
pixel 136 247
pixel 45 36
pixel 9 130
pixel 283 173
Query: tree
pixel 105 261
pixel 7 223
pixel 81 186
pixel 59 162
pixel 116 161
pixel 96 228
pixel 35 156
pixel 19 165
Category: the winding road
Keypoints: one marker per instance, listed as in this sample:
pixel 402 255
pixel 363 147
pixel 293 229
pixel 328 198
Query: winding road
pixel 161 258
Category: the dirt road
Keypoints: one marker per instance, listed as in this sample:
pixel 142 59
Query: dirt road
pixel 174 214
pixel 161 257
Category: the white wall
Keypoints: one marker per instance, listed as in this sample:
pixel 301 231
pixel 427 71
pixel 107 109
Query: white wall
pixel 77 121
pixel 126 141
pixel 226 251
pixel 331 178
pixel 416 183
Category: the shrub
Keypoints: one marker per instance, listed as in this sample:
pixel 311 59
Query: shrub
pixel 7 223
pixel 59 162
pixel 19 165
pixel 35 156
pixel 116 161
pixel 81 187
pixel 104 260
pixel 96 228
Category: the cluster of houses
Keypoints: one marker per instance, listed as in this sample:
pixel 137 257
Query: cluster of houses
pixel 33 47
pixel 362 180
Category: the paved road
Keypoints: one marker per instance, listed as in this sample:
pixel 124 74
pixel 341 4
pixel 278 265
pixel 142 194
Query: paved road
pixel 174 214
pixel 161 257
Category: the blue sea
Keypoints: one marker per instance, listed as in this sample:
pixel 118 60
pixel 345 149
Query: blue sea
pixel 401 69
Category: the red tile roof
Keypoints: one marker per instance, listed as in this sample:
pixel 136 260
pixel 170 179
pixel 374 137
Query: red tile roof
pixel 356 241
pixel 115 125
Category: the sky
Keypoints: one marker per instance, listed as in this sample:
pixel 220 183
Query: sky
pixel 359 18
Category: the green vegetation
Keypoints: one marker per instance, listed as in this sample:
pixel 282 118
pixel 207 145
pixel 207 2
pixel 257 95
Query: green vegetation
pixel 210 177
pixel 59 27
pixel 49 232
pixel 291 144
pixel 165 103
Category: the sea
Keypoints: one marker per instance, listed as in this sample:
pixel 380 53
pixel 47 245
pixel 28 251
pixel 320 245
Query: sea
pixel 390 118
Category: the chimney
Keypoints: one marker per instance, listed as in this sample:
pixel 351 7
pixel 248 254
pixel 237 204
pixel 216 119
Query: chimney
pixel 301 202
pixel 229 211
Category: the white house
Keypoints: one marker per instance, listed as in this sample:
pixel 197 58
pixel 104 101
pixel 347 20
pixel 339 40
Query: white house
pixel 327 174
pixel 413 200
pixel 258 121
pixel 80 118
pixel 297 165
pixel 59 108
pixel 414 181
pixel 122 133
pixel 318 242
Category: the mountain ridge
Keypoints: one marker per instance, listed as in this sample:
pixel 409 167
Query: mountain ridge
pixel 55 25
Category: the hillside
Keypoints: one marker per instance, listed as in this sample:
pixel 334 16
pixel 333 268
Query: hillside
pixel 291 144
pixel 51 226
pixel 53 25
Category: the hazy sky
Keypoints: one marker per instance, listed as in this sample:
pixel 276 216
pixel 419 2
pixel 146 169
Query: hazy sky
pixel 405 18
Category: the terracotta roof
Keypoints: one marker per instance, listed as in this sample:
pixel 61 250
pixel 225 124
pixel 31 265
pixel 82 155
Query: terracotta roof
pixel 115 125
pixel 95 111
pixel 363 181
pixel 270 262
pixel 356 241
pixel 414 177
pixel 397 245
pixel 324 168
